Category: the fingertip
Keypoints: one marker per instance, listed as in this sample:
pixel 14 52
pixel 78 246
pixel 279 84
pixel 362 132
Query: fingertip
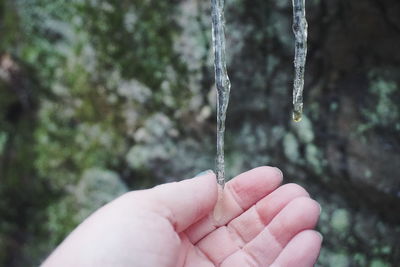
pixel 300 214
pixel 309 238
pixel 276 173
pixel 272 204
pixel 270 173
pixel 279 172
pixel 302 250
pixel 309 206
pixel 266 171
pixel 254 184
pixel 321 237
pixel 313 236
pixel 296 189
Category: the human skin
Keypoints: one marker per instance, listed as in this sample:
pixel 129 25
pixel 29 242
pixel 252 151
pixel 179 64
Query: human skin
pixel 254 222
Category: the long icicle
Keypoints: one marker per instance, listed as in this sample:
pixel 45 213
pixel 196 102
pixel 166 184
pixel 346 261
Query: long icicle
pixel 222 82
pixel 300 32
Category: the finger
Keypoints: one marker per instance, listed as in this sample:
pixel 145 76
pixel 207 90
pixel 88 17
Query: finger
pixel 239 194
pixel 226 240
pixel 249 224
pixel 302 250
pixel 184 203
pixel 300 214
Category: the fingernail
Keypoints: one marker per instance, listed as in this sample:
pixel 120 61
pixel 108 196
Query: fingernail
pixel 320 235
pixel 204 173
pixel 320 208
pixel 279 170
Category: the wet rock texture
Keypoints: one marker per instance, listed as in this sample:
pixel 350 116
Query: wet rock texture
pixel 131 103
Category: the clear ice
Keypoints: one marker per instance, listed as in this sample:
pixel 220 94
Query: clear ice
pixel 300 32
pixel 222 82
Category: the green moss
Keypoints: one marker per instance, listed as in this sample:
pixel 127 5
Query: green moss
pixel 386 250
pixel 3 140
pixel 304 130
pixel 360 259
pixel 379 263
pixel 313 157
pixel 291 147
pixel 96 188
pixel 385 110
pixel 60 219
pixel 339 259
pixel 340 220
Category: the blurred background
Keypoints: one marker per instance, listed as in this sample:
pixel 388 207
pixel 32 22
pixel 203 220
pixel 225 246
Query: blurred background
pixel 98 97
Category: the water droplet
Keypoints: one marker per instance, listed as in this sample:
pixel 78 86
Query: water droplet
pixel 297 116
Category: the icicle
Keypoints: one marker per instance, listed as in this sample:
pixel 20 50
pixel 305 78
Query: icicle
pixel 300 32
pixel 222 82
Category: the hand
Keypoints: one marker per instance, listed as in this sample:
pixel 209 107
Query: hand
pixel 256 222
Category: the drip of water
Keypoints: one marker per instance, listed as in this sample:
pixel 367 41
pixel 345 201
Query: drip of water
pixel 222 82
pixel 300 32
pixel 220 206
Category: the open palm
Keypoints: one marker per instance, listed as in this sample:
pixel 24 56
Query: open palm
pixel 255 222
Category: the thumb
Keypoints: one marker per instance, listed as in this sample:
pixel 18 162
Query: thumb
pixel 184 203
